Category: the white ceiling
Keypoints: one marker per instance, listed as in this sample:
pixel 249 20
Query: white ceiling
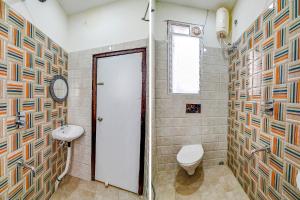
pixel 77 6
pixel 204 4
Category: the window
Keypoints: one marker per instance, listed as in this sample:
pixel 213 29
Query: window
pixel 184 57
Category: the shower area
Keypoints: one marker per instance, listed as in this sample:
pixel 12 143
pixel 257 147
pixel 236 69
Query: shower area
pixel 264 104
pixel 261 135
pixel 195 114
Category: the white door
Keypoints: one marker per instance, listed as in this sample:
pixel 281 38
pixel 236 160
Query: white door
pixel 118 135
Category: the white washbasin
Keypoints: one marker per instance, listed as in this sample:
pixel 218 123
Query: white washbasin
pixel 67 133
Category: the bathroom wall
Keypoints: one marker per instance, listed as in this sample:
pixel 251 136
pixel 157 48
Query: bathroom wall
pixel 175 128
pixel 28 60
pixel 102 25
pixel 265 68
pixel 170 11
pixel 80 79
pixel 114 23
pixel 152 117
pixel 49 17
pixel 245 12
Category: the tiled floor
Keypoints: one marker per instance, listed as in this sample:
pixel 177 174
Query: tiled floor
pixel 216 183
pixel 77 189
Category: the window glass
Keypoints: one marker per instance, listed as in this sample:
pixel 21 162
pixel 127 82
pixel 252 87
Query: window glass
pixel 183 59
pixel 181 29
pixel 185 64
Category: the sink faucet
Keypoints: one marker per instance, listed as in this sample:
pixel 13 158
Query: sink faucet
pixel 20 121
pixel 61 124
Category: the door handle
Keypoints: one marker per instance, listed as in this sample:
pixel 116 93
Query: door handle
pixel 100 119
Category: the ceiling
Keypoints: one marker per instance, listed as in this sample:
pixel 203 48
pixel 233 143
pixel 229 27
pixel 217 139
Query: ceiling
pixel 77 6
pixel 204 4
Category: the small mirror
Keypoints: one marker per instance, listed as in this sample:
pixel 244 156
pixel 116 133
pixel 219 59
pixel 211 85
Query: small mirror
pixel 59 88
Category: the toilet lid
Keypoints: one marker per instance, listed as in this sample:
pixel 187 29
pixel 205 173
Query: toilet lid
pixel 190 154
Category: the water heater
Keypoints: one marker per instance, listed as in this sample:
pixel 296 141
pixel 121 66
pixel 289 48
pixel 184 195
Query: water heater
pixel 222 22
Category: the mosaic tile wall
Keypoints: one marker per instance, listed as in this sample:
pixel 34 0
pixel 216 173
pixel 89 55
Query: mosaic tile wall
pixel 28 60
pixel 266 68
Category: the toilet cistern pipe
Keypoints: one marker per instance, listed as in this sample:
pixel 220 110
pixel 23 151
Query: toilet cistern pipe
pixel 60 177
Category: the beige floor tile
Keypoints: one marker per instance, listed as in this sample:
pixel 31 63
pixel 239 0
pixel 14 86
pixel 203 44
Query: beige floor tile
pixel 80 193
pixel 107 193
pixel 73 188
pixel 215 183
pixel 124 195
pixel 59 195
pixel 209 184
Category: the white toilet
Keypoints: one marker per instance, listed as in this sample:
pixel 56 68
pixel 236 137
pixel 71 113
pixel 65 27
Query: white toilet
pixel 189 157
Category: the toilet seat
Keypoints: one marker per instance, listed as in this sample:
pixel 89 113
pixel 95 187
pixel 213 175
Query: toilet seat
pixel 190 154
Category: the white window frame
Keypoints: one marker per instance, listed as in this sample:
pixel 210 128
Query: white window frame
pixel 171 23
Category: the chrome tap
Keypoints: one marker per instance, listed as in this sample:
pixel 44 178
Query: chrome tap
pixel 266 149
pixel 20 121
pixel 268 107
pixel 61 124
pixel 21 163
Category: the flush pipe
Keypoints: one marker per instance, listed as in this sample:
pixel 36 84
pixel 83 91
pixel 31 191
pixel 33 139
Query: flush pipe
pixel 60 177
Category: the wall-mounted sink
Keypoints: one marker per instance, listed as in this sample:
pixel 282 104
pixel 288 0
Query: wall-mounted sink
pixel 67 133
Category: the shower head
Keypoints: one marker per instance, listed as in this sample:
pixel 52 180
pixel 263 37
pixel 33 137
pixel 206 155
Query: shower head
pixel 42 1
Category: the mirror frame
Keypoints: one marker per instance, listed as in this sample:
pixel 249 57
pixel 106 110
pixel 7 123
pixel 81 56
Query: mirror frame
pixel 51 88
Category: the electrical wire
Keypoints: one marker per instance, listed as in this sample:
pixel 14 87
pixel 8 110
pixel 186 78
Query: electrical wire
pixel 30 14
pixel 154 192
pixel 145 15
pixel 203 31
pixel 205 22
pixel 11 2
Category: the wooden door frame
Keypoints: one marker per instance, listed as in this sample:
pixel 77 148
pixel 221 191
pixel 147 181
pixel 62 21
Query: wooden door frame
pixel 143 109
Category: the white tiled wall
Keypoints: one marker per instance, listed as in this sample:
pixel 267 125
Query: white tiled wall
pixel 175 128
pixel 80 99
pixel 153 132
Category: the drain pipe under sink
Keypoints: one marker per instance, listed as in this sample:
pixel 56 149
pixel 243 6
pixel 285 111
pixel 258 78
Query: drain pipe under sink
pixel 60 177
